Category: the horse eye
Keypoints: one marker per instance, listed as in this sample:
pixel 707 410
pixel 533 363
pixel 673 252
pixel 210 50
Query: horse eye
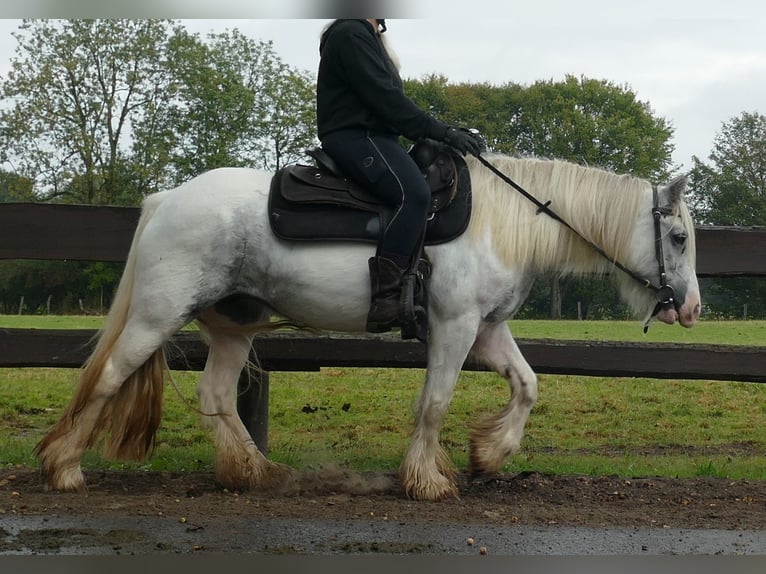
pixel 679 239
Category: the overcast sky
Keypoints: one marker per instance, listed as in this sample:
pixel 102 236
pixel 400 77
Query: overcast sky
pixel 697 63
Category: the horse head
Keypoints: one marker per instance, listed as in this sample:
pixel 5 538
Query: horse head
pixel 663 240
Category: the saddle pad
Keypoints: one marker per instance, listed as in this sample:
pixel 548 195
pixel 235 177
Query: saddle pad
pixel 329 222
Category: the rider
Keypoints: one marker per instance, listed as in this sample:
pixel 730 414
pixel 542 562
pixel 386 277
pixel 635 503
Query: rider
pixel 361 112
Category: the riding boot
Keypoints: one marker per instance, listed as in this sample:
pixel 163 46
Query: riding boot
pixel 386 299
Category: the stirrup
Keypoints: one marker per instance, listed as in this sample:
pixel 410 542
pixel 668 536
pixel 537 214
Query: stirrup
pixel 417 329
pixel 413 317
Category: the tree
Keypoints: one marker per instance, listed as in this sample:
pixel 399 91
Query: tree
pixel 74 87
pixel 593 122
pixel 232 102
pixel 291 119
pixel 205 115
pixel 430 93
pixel 282 122
pixel 37 281
pixel 14 188
pixel 487 108
pixel 731 190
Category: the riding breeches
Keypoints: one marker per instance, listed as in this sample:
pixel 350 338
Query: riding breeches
pixel 379 164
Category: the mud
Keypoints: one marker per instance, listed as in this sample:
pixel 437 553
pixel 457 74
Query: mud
pixel 334 511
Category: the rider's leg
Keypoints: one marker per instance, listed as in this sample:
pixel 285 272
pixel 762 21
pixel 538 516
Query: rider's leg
pixel 384 168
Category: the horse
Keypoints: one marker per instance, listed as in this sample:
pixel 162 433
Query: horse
pixel 205 252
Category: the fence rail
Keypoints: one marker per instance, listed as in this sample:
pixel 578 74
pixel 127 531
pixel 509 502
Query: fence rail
pixel 299 351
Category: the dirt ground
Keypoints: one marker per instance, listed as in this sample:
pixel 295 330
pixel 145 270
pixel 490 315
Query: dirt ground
pixel 524 499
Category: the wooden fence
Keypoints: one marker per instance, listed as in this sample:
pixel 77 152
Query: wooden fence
pixel 90 233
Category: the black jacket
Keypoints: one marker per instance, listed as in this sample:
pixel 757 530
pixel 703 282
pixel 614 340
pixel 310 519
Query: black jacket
pixel 358 87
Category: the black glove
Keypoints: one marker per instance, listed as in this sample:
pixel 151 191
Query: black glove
pixel 463 141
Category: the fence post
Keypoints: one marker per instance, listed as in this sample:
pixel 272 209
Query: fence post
pixel 253 405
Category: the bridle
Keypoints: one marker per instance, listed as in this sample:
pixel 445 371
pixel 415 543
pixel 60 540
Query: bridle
pixel 664 293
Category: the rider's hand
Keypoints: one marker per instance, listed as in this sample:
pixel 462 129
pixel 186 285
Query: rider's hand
pixel 463 141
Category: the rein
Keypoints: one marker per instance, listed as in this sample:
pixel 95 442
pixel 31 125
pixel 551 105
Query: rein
pixel 663 293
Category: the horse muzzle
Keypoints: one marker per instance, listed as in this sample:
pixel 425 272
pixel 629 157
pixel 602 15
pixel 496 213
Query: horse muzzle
pixel 686 315
pixel 668 309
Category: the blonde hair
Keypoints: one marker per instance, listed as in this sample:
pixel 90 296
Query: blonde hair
pixel 390 51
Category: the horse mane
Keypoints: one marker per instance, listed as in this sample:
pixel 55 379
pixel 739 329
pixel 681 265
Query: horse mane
pixel 601 205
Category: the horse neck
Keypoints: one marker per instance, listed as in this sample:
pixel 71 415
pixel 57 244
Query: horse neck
pixel 600 205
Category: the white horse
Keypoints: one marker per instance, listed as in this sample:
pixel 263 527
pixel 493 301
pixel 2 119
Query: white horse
pixel 205 251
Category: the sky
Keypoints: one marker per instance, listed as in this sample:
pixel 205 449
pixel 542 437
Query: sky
pixel 698 64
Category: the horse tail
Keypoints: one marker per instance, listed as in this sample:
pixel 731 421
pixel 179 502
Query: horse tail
pixel 131 417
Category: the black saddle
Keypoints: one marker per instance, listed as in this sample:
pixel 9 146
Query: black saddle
pixel 319 203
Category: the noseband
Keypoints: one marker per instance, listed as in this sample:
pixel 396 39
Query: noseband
pixel 663 293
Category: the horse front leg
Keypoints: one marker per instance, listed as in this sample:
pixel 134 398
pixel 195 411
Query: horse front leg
pixel 496 438
pixel 427 473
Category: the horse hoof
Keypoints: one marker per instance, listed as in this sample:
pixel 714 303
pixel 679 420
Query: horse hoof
pixel 428 495
pixel 432 492
pixel 481 469
pixel 479 475
pixel 71 480
pixel 484 462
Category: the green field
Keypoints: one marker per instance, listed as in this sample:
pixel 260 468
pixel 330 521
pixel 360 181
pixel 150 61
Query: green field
pixel 714 332
pixel 591 425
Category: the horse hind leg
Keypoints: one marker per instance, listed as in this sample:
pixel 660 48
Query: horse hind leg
pixel 119 391
pixel 239 464
pixel 496 438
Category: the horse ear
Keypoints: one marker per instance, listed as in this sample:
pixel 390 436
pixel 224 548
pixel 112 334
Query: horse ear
pixel 676 189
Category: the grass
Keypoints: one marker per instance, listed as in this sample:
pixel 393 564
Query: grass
pixel 705 332
pixel 52 322
pixel 360 417
pixel 712 332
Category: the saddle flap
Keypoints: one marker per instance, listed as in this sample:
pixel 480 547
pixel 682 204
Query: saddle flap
pixel 305 176
pixel 308 184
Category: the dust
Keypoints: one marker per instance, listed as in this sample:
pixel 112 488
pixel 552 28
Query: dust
pixel 330 478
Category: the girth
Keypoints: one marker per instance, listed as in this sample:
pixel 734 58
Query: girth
pixel 320 203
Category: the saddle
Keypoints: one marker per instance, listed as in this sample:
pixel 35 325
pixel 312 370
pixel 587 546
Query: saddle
pixel 319 203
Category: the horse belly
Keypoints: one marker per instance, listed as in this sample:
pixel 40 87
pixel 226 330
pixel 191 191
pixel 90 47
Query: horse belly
pixel 325 286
